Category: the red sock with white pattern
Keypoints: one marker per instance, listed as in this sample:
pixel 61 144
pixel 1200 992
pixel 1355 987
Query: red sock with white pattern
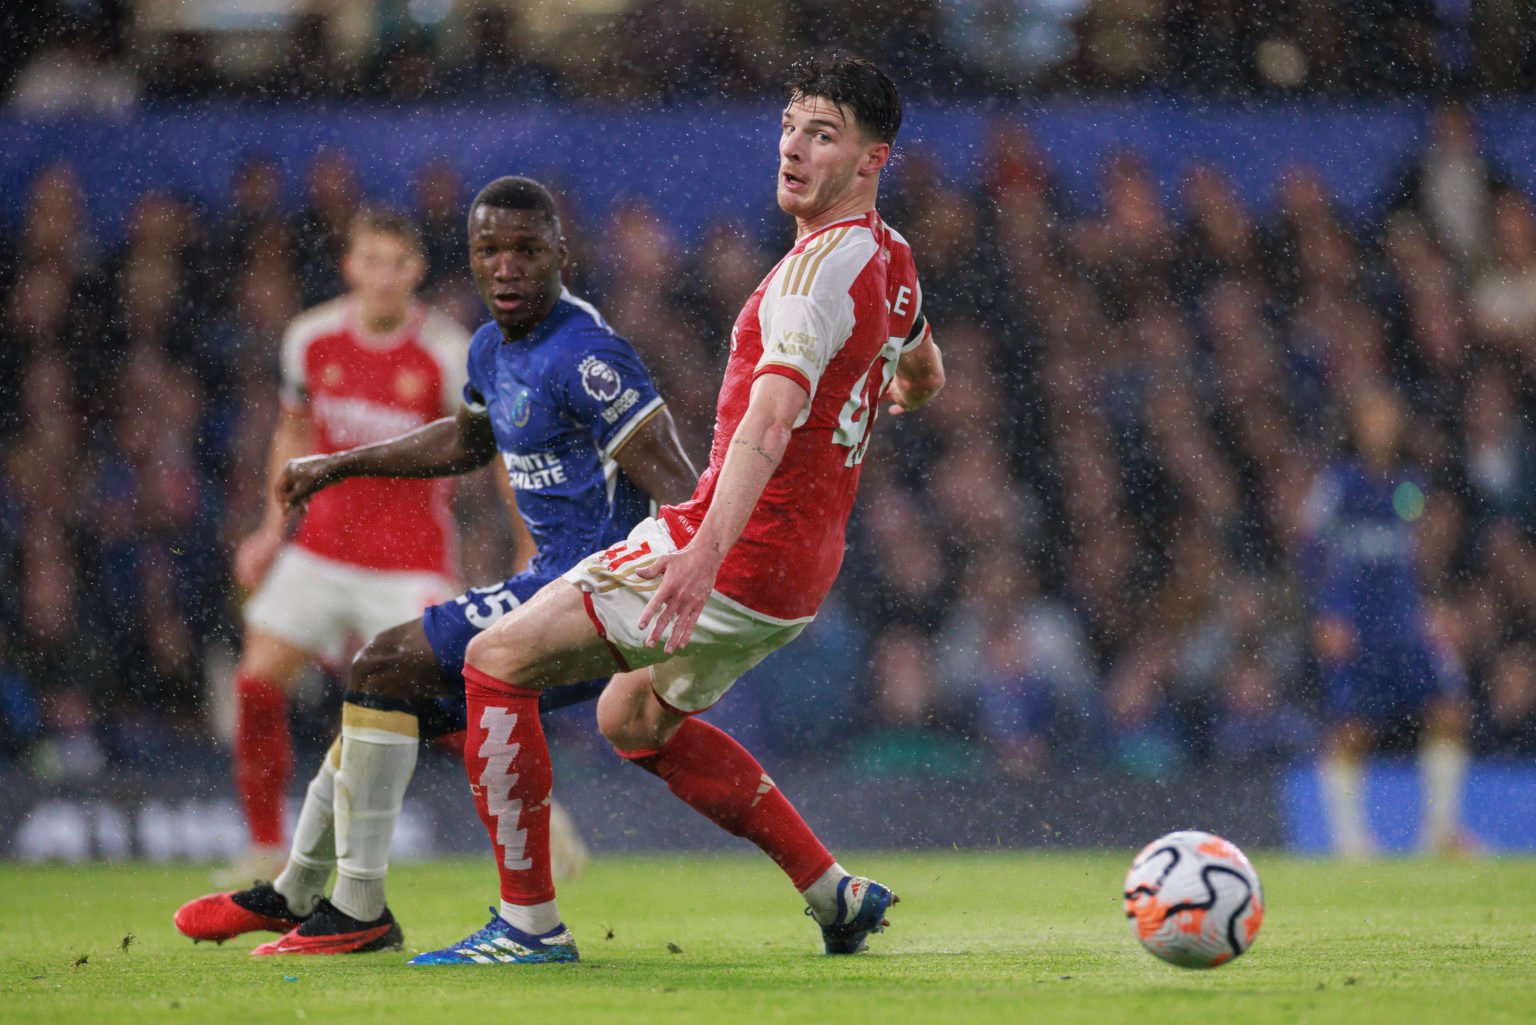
pixel 510 776
pixel 720 779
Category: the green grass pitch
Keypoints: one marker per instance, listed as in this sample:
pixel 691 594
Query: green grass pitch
pixel 978 938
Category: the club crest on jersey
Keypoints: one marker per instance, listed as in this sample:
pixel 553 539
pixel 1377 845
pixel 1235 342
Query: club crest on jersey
pixel 601 381
pixel 330 375
pixel 522 408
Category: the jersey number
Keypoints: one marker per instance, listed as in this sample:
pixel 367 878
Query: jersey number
pixel 858 413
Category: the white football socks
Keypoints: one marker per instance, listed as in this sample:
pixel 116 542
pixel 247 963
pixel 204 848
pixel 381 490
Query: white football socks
pixel 376 768
pixel 313 853
pixel 821 896
pixel 1442 775
pixel 1343 785
pixel 534 919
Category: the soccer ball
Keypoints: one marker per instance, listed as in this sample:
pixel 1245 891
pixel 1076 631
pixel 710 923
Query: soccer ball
pixel 1193 899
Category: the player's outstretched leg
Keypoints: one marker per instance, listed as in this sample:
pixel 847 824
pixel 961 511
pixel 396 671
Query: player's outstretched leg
pixel 507 760
pixel 283 904
pixel 720 779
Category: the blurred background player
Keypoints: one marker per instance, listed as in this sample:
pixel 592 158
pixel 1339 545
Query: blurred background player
pixel 1383 667
pixel 591 449
pixel 363 367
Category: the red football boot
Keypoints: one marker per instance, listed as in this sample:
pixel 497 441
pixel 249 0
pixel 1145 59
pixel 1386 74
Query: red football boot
pixel 222 916
pixel 330 931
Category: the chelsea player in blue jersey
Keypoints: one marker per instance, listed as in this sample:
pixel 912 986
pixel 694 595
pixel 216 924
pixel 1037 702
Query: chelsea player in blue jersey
pixel 1380 662
pixel 590 449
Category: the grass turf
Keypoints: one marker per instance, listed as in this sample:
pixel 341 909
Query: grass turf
pixel 978 938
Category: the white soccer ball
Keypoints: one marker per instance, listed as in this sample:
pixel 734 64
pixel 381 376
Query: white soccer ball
pixel 1193 899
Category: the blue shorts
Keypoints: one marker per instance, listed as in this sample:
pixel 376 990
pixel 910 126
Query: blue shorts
pixel 450 627
pixel 1385 684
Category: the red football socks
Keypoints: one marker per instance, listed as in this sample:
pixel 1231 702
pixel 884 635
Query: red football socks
pixel 263 757
pixel 720 779
pixel 510 776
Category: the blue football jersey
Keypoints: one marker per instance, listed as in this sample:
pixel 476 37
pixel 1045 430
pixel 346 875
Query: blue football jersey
pixel 1361 549
pixel 562 400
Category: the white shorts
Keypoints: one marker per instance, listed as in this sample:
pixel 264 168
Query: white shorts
pixel 322 606
pixel 727 640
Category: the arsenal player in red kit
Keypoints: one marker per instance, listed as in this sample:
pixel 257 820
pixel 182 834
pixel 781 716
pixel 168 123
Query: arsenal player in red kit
pixel 698 595
pixel 368 553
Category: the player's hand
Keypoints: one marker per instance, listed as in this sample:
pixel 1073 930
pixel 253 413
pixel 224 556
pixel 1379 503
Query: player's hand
pixel 254 557
pixel 302 478
pixel 899 401
pixel 687 578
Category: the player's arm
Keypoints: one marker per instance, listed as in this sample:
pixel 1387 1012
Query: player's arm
pixel 654 459
pixel 290 439
pixel 753 455
pixel 919 374
pixel 442 448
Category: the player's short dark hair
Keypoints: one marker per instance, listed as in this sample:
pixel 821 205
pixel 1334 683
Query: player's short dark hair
pixel 516 193
pixel 386 222
pixel 852 83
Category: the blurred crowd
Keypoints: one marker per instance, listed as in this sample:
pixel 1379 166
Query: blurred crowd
pixel 108 55
pixel 1089 554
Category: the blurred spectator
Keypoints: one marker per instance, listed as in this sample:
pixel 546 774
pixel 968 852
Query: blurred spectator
pixel 181 67
pixel 1255 726
pixel 1450 184
pixel 309 68
pixel 1218 240
pixel 21 718
pixel 1500 454
pixel 497 64
pixel 1503 298
pixel 440 201
pixel 904 733
pixel 1010 42
pixel 1018 704
pixel 402 67
pixel 333 196
pixel 1142 730
pixel 76 75
pixel 1511 724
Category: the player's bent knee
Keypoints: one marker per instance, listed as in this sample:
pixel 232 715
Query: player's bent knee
pixel 630 718
pixel 617 727
pixel 391 666
pixel 481 648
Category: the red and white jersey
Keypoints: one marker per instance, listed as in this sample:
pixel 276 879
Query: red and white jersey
pixel 358 388
pixel 835 315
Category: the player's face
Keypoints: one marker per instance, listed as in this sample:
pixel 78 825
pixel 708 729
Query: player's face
pixel 826 162
pixel 383 270
pixel 516 257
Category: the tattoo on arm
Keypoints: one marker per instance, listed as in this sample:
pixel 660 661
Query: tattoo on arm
pixel 755 448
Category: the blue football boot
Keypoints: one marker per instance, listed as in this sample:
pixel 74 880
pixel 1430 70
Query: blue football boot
pixel 501 943
pixel 861 907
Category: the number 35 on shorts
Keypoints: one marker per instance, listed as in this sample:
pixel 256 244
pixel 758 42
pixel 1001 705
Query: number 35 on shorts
pixel 484 605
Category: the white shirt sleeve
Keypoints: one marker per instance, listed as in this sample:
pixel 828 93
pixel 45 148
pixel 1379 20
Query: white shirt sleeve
pixel 293 385
pixel 807 313
pixel 448 342
pixel 801 334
